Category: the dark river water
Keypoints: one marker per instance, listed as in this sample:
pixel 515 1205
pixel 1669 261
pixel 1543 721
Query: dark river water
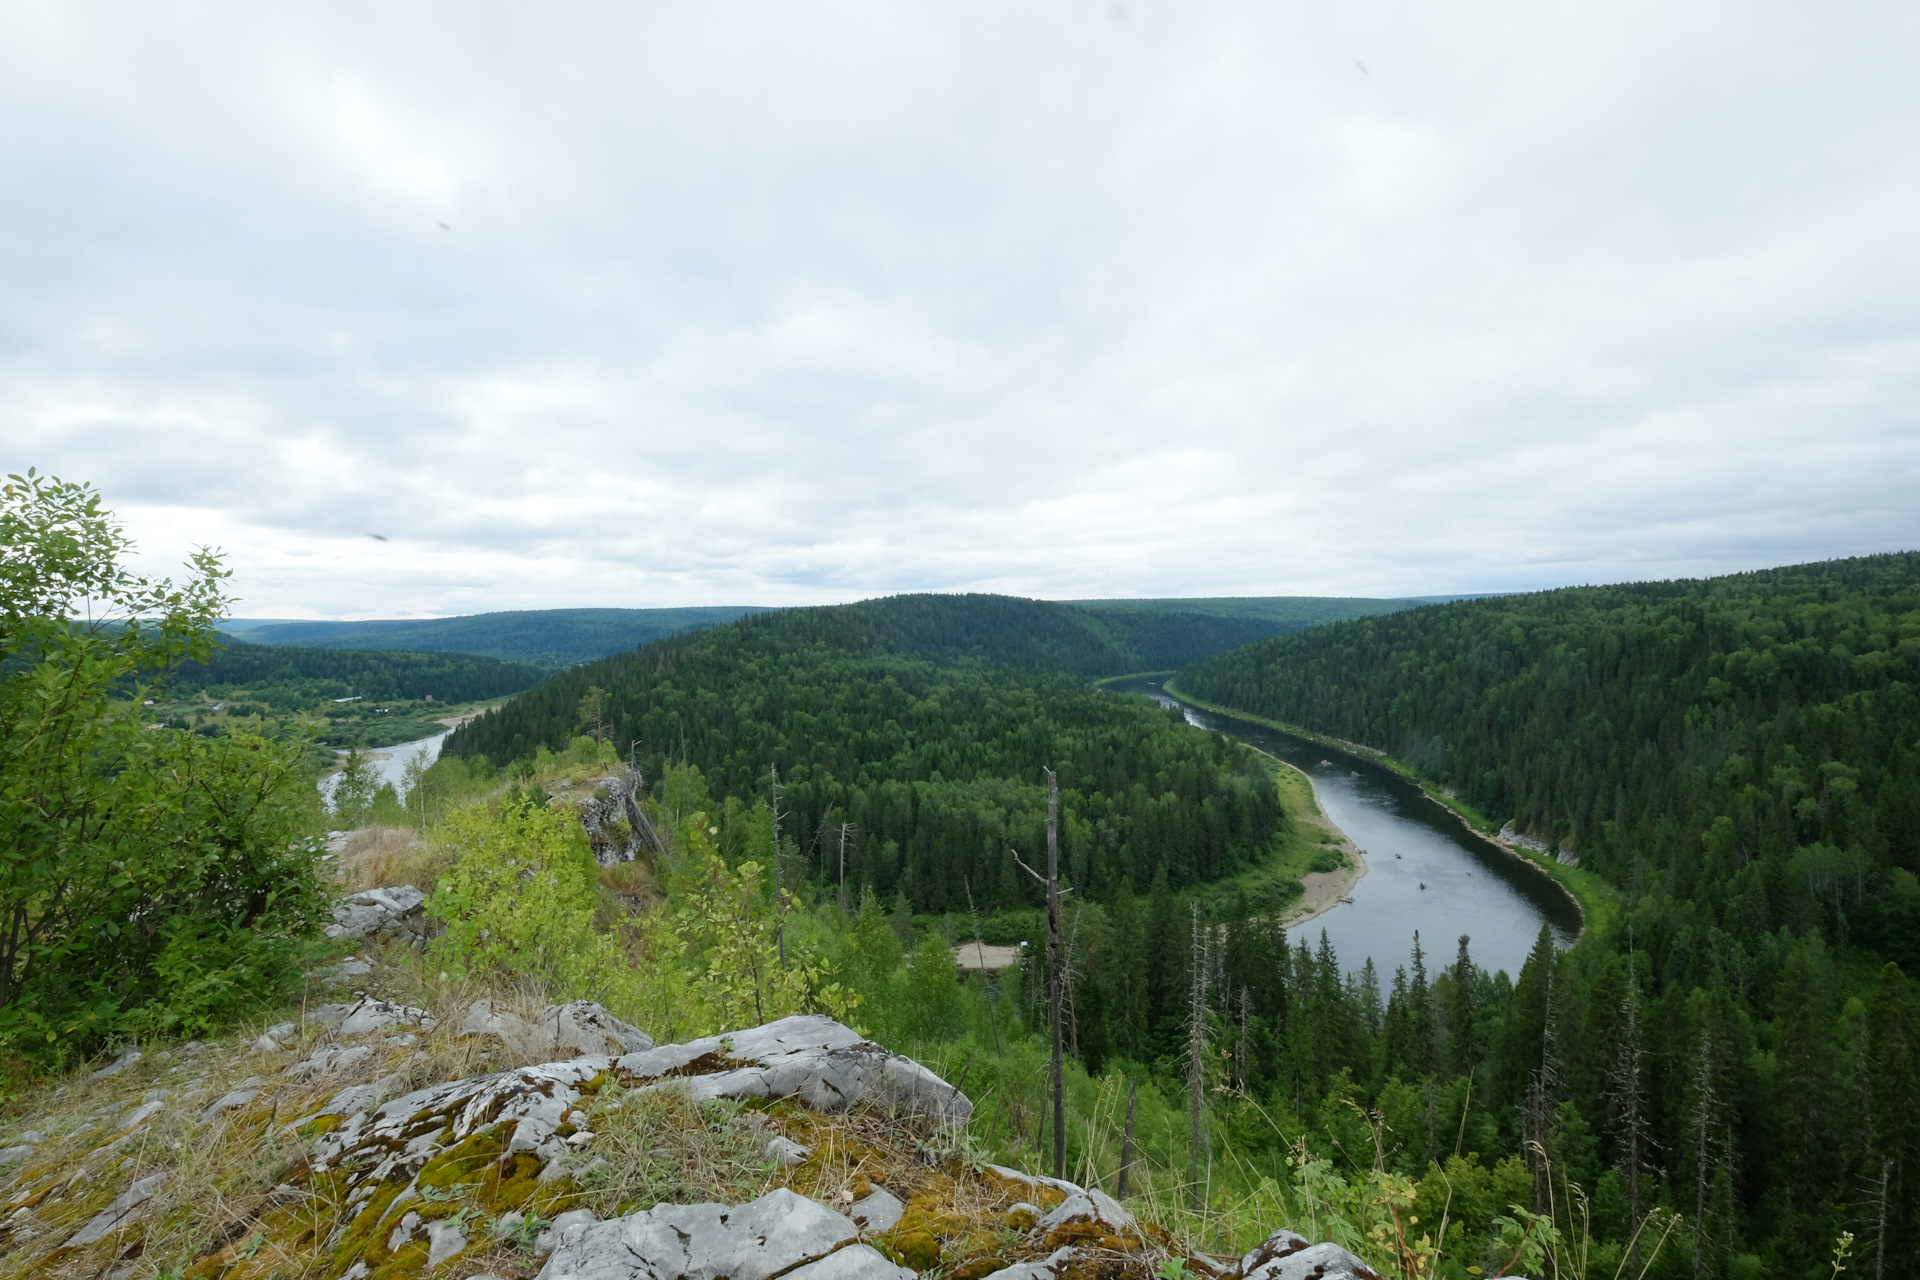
pixel 1471 887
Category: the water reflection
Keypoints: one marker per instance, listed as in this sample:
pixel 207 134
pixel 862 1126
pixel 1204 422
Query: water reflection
pixel 1424 871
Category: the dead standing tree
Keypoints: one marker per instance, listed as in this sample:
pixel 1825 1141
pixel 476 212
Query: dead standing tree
pixel 1056 959
pixel 1197 1060
pixel 1629 1090
pixel 779 897
pixel 846 828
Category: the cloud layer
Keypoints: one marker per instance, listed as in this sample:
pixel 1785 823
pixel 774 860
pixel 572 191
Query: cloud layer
pixel 742 302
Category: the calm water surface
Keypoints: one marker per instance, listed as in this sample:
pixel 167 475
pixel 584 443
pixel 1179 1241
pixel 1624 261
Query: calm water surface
pixel 1470 888
pixel 390 763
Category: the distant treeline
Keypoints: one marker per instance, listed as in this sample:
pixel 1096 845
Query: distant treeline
pixel 925 721
pixel 1291 613
pixel 549 638
pixel 289 680
pixel 559 638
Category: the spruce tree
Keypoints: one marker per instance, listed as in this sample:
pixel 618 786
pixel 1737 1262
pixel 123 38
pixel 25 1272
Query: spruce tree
pixel 1463 1015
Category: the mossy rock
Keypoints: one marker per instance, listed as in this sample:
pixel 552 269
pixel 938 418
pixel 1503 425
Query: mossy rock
pixel 916 1249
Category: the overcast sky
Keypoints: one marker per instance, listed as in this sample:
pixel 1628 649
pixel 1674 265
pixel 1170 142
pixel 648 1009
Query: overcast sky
pixel 653 304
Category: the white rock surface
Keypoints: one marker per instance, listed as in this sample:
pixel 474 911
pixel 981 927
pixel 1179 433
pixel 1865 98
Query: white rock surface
pixel 1048 1268
pixel 785 1151
pixel 375 912
pixel 142 1113
pixel 781 1232
pixel 327 1061
pixel 1090 1208
pixel 544 1243
pixel 880 1210
pixel 123 1209
pixel 1290 1257
pixel 396 1139
pixel 828 1066
pixel 367 1016
pixel 560 1030
pixel 1035 1179
pixel 444 1240
pixel 1280 1244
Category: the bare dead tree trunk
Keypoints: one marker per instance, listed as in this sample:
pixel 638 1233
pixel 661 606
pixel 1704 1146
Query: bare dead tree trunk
pixel 1072 1013
pixel 1630 1096
pixel 1196 1060
pixel 988 979
pixel 845 827
pixel 1056 957
pixel 1702 1153
pixel 1543 1097
pixel 1055 965
pixel 1126 1142
pixel 779 896
pixel 1240 1048
pixel 1880 1222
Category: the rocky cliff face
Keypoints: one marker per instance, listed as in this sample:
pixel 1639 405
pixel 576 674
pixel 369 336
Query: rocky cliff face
pixel 373 1139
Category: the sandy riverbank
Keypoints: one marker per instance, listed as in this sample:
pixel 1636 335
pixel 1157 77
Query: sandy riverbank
pixel 1324 889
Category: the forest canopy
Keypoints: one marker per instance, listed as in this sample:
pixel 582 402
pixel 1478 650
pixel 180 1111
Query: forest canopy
pixel 925 722
pixel 1741 756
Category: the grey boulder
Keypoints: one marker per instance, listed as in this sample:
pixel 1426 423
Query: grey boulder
pixel 560 1030
pixel 1090 1213
pixel 878 1211
pixel 824 1064
pixel 376 912
pixel 780 1234
pixel 123 1209
pixel 1286 1256
pixel 364 1017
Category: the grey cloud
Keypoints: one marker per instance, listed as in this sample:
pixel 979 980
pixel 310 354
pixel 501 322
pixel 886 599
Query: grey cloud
pixel 750 301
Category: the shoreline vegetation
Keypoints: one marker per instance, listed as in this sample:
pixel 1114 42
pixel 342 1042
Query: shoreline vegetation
pixel 1595 900
pixel 1324 890
pixel 1300 796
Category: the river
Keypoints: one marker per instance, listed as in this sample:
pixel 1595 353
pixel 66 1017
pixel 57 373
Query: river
pixel 1425 871
pixel 390 763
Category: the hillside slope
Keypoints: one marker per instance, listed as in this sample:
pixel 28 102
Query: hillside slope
pixel 549 638
pixel 1741 755
pixel 1292 613
pixel 926 721
pixel 556 638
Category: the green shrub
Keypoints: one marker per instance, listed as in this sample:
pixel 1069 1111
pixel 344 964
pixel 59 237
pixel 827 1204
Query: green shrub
pixel 520 900
pixel 148 878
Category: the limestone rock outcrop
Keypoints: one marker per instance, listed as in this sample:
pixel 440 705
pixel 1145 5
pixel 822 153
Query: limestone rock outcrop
pixel 780 1234
pixel 828 1066
pixel 559 1030
pixel 378 913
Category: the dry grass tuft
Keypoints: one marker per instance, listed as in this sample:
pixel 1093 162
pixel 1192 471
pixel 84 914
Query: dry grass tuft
pixel 376 856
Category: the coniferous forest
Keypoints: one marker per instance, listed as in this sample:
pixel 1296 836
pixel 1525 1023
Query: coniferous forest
pixel 924 722
pixel 1718 1080
pixel 1740 756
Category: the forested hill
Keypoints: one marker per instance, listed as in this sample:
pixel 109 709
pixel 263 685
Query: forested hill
pixel 550 638
pixel 925 721
pixel 296 677
pixel 1039 635
pixel 1764 712
pixel 1292 613
pixel 559 638
pixel 1741 755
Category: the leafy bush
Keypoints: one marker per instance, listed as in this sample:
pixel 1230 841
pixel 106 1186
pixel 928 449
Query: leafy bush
pixel 519 899
pixel 149 878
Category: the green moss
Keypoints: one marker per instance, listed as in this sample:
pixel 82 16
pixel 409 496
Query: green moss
pixel 466 1161
pixel 321 1124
